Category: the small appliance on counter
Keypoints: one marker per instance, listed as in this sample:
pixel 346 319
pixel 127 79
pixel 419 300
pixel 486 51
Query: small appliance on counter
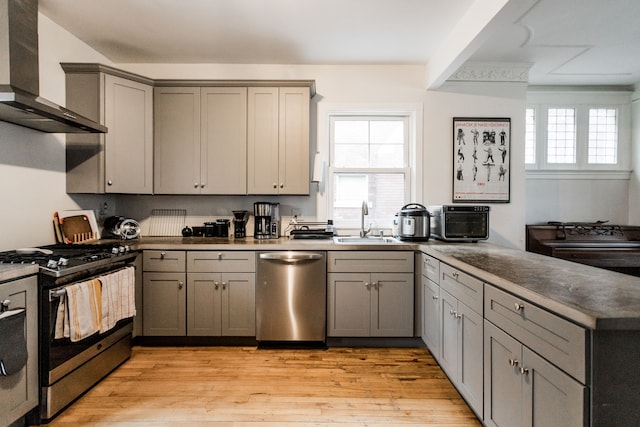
pixel 219 228
pixel 413 223
pixel 267 220
pixel 460 223
pixel 122 228
pixel 240 219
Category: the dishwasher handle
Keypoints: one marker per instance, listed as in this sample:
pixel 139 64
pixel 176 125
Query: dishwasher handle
pixel 290 257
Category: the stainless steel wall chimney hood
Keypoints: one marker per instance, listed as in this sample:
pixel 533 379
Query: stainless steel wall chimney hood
pixel 20 79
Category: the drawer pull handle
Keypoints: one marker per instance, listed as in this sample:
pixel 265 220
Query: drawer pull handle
pixel 219 255
pixel 162 255
pixel 524 371
pixel 513 362
pixel 457 315
pixel 519 306
pixel 455 275
pixel 435 297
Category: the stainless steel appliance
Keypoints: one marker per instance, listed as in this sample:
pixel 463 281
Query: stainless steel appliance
pixel 20 76
pixel 122 228
pixel 413 223
pixel 68 369
pixel 459 223
pixel 291 295
pixel 275 220
pixel 262 220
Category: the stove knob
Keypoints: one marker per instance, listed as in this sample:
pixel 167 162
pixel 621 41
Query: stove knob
pixel 114 250
pixel 127 248
pixel 63 262
pixel 121 250
pixel 52 263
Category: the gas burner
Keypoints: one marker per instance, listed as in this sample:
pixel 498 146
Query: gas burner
pixel 598 228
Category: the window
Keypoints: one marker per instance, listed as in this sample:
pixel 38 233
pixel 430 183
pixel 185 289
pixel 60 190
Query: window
pixel 603 136
pixel 581 134
pixel 561 135
pixel 369 162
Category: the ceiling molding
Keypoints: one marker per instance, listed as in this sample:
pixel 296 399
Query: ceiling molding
pixel 498 72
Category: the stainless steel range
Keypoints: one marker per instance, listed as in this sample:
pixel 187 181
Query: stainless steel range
pixel 69 367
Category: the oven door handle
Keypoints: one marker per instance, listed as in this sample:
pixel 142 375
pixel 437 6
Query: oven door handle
pixel 56 293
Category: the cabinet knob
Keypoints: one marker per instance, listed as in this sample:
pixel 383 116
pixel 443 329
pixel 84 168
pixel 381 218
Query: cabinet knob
pixel 455 275
pixel 451 312
pixel 195 185
pixel 109 182
pixel 224 285
pixel 457 315
pixel 524 371
pixel 435 297
pixel 162 255
pixel 219 255
pixel 281 185
pixel 367 285
pixel 275 185
pixel 203 185
pixel 513 362
pixel 216 285
pixel 519 306
pixel 180 285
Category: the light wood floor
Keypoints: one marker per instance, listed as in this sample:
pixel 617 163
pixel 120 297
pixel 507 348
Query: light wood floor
pixel 245 386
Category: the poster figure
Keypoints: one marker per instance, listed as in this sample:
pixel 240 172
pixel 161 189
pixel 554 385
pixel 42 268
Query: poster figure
pixel 495 136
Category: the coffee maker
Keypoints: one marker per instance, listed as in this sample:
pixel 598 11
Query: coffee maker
pixel 275 220
pixel 262 220
pixel 240 223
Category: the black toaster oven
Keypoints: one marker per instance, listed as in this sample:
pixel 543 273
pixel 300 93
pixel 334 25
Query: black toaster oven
pixel 459 223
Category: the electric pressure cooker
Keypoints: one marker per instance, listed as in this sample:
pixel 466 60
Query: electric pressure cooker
pixel 413 223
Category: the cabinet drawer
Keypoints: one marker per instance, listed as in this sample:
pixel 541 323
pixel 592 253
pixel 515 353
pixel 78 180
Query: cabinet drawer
pixel 370 262
pixel 221 261
pixel 464 287
pixel 431 268
pixel 163 261
pixel 559 341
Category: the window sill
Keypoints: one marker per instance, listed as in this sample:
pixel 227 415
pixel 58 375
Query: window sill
pixel 578 174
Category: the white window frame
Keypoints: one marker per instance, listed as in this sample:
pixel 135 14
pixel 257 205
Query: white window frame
pixel 542 100
pixel 413 174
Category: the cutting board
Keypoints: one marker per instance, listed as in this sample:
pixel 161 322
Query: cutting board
pixel 76 228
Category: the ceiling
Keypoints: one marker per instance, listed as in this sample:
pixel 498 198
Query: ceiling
pixel 565 42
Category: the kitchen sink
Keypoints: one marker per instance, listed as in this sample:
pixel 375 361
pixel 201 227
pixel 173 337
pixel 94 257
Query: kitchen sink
pixel 367 240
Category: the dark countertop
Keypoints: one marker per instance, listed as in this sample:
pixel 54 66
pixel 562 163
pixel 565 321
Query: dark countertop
pixel 592 297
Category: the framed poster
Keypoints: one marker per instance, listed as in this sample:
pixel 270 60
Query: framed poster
pixel 481 167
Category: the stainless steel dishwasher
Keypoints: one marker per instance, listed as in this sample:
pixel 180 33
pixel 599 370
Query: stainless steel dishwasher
pixel 291 296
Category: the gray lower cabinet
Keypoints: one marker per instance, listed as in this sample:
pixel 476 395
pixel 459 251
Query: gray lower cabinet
pixel 19 392
pixel 370 294
pixel 461 355
pixel 221 304
pixel 523 389
pixel 431 323
pixel 164 293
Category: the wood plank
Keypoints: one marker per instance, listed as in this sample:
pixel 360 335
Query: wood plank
pixel 245 386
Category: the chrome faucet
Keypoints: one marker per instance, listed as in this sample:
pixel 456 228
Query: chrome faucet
pixel 365 211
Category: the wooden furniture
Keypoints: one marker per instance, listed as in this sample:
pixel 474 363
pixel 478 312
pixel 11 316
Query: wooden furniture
pixel 120 161
pixel 19 392
pixel 221 293
pixel 370 294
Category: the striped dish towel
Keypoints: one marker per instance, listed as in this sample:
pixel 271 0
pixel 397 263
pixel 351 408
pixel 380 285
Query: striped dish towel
pixel 118 297
pixel 79 311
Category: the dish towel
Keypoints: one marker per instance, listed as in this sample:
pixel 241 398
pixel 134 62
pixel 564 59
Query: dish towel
pixel 13 347
pixel 118 297
pixel 79 311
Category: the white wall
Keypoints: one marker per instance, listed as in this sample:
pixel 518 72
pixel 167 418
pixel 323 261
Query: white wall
pixel 36 161
pixel 32 164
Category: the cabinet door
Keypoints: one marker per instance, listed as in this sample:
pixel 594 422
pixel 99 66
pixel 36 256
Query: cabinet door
pixel 129 142
pixel 177 140
pixel 349 304
pixel 293 159
pixel 392 304
pixel 204 292
pixel 164 304
pixel 238 304
pixel 551 397
pixel 431 316
pixel 262 140
pixel 449 334
pixel 223 140
pixel 19 392
pixel 502 379
pixel 470 357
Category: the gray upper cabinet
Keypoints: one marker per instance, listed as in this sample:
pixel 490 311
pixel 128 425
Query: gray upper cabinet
pixel 200 143
pixel 278 140
pixel 120 161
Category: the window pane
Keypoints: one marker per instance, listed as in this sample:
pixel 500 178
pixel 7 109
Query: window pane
pixel 383 191
pixel 603 136
pixel 369 143
pixel 530 137
pixel 351 149
pixel 561 135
